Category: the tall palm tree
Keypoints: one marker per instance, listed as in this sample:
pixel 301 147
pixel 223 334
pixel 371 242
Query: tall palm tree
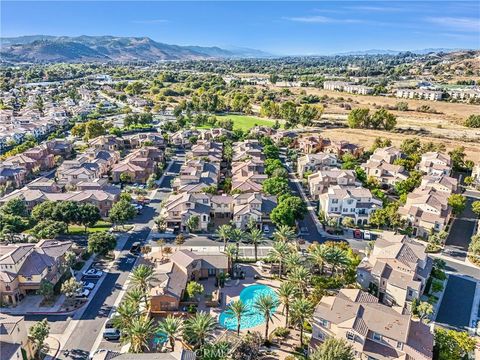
pixel 231 252
pixel 256 238
pixel 135 296
pixel 171 327
pixel 198 329
pixel 286 293
pixel 284 233
pixel 139 333
pixel 237 308
pixel 223 233
pixel 237 235
pixel 302 310
pixel 337 258
pixel 141 277
pixel 265 304
pixel 300 276
pixel 318 255
pixel 277 253
pixel 126 313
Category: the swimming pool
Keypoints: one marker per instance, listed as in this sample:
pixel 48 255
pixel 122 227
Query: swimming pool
pixel 252 317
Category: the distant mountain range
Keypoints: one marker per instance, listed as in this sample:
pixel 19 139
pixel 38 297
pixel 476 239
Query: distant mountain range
pixel 396 52
pixel 45 48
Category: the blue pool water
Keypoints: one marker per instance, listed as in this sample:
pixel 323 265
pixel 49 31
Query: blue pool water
pixel 252 317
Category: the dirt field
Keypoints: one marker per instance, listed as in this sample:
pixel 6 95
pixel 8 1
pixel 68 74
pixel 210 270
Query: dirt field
pixel 366 138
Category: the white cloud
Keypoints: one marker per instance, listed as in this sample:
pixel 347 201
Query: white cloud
pixel 317 19
pixel 456 23
pixel 149 21
pixel 375 8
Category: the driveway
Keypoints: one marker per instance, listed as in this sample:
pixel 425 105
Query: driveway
pixel 461 232
pixel 457 302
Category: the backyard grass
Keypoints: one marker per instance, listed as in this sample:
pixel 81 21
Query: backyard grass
pixel 80 230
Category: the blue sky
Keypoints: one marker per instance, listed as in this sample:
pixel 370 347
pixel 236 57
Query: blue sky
pixel 280 27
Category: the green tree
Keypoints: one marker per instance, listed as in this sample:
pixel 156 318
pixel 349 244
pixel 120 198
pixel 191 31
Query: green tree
pixel 172 327
pixel 473 121
pixel 237 235
pixel 101 242
pixel 337 258
pixel 255 237
pixel 223 233
pixel 198 329
pixel 237 309
pixel 46 289
pixel 453 345
pixel 126 178
pixel 458 157
pixel 140 333
pixel 232 253
pixel 284 233
pixel 333 348
pixel 476 207
pixel 458 203
pixel 300 276
pixel 93 129
pixel 358 118
pixel 88 215
pixel 302 311
pixel 121 212
pixel 15 207
pixel 277 253
pixel 265 304
pixel 288 111
pixel 194 289
pixel 275 186
pixel 38 333
pixel 142 276
pixel 286 294
pixel 424 309
pixel 71 287
pixel 126 312
pixel 192 223
pixel 48 229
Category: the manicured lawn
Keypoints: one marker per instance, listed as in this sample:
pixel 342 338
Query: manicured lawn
pixel 244 122
pixel 99 226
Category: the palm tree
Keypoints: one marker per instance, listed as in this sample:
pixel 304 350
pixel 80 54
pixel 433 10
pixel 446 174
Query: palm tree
pixel 139 333
pixel 278 251
pixel 337 258
pixel 300 276
pixel 292 260
pixel 237 308
pixel 141 277
pixel 171 327
pixel 286 292
pixel 265 304
pixel 223 233
pixel 198 329
pixel 237 235
pixel 231 252
pixel 318 255
pixel 127 312
pixel 135 296
pixel 302 310
pixel 284 233
pixel 256 238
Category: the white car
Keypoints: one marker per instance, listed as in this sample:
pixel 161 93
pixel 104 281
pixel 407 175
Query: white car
pixel 88 285
pixel 367 235
pixel 92 273
pixel 82 294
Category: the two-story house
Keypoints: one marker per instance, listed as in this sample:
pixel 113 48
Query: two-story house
pixel 14 341
pixel 320 181
pixel 316 162
pixel 436 164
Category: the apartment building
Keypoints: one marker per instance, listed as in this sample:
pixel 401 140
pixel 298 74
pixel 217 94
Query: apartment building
pixel 423 94
pixel 316 162
pixel 320 181
pixel 464 94
pixel 354 202
pixel 396 269
pixel 347 87
pixel 375 331
pixel 24 266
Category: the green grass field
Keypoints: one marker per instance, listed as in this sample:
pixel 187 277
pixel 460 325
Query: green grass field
pixel 80 230
pixel 245 123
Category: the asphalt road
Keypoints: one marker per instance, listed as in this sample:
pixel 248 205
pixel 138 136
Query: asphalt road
pixel 457 302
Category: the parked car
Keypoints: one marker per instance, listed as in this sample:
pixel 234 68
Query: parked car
pixel 109 324
pixel 111 334
pixel 136 248
pixel 92 273
pixel 266 229
pixel 367 235
pixel 88 285
pixel 83 293
pixel 357 234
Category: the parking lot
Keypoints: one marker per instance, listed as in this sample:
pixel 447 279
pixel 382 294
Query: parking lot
pixel 456 307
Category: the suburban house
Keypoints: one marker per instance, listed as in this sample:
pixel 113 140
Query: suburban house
pixel 320 181
pixel 353 202
pixel 171 277
pixel 341 148
pixel 248 175
pixel 14 341
pixel 442 183
pixel 178 208
pixel 107 142
pixel 254 206
pixel 436 164
pixel 426 210
pixel 214 134
pixel 310 144
pixel 374 330
pixel 207 150
pixel 385 172
pixel 248 149
pixel 138 165
pixel 388 154
pixel 182 137
pixel 396 269
pixel 145 139
pixel 24 266
pixel 195 172
pixel 12 176
pixel 315 162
